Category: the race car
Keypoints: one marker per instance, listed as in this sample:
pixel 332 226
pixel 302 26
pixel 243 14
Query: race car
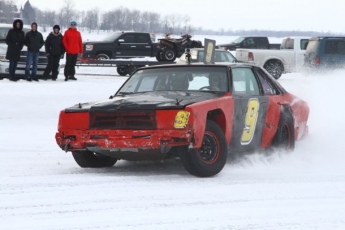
pixel 199 113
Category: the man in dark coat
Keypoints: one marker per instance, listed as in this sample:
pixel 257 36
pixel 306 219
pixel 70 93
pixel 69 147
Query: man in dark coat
pixel 34 41
pixel 55 51
pixel 15 42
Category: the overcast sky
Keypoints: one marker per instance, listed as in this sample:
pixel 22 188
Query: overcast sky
pixel 317 15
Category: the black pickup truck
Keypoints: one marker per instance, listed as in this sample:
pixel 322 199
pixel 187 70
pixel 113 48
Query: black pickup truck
pixel 250 42
pixel 121 45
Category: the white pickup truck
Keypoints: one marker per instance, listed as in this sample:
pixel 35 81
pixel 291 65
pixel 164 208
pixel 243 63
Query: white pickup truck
pixel 289 58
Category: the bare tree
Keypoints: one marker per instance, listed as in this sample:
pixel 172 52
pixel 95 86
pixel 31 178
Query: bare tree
pixel 91 19
pixel 68 12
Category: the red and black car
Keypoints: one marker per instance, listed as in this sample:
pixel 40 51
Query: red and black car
pixel 195 112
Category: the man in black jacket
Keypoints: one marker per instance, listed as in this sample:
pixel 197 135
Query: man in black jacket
pixel 34 41
pixel 55 51
pixel 15 43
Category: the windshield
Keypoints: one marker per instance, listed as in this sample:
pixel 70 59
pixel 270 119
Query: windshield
pixel 191 78
pixel 238 40
pixel 111 37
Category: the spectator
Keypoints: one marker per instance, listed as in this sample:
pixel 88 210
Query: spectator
pixel 34 41
pixel 15 42
pixel 55 51
pixel 72 42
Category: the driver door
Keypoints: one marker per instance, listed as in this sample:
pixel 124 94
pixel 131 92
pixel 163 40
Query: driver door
pixel 249 110
pixel 125 46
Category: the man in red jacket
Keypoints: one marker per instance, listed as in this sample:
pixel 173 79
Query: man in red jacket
pixel 72 42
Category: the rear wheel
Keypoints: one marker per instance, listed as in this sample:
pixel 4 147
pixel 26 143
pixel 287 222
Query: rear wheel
pixel 275 68
pixel 158 56
pixel 284 138
pixel 122 70
pixel 86 159
pixel 211 157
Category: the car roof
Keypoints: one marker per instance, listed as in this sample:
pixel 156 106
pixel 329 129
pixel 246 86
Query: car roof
pixel 325 37
pixel 199 64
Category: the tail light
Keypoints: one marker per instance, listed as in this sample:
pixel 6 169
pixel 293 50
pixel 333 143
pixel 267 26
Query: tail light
pixel 317 60
pixel 250 56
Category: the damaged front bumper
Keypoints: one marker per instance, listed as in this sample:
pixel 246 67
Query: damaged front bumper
pixel 112 141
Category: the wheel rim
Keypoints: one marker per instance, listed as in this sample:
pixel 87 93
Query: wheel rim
pixel 209 151
pixel 169 55
pixel 274 70
pixel 286 137
pixel 103 57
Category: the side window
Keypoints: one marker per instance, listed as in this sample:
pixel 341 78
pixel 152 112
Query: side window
pixel 267 88
pixel 249 42
pixel 335 47
pixel 129 38
pixel 304 44
pixel 142 38
pixel 244 82
pixel 262 43
pixel 3 32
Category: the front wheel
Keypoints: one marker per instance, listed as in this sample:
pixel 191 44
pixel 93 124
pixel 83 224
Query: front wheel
pixel 102 57
pixel 86 159
pixel 211 157
pixel 275 68
pixel 168 54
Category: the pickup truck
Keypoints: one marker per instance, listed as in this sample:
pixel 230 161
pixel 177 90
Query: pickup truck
pixel 121 45
pixel 290 57
pixel 252 42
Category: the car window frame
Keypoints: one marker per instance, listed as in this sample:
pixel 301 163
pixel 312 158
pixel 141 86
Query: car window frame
pixel 232 85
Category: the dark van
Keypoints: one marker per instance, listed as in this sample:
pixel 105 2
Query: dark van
pixel 325 53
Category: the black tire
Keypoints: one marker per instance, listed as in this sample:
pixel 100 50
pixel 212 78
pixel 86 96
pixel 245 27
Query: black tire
pixel 122 70
pixel 275 68
pixel 102 56
pixel 210 159
pixel 133 68
pixel 158 56
pixel 284 138
pixel 86 159
pixel 168 54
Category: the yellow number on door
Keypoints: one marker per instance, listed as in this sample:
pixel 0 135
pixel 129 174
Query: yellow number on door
pixel 250 121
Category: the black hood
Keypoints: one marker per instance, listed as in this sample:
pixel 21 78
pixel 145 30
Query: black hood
pixel 15 22
pixel 95 42
pixel 146 101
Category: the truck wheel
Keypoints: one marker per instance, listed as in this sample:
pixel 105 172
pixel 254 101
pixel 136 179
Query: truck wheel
pixel 168 54
pixel 284 138
pixel 158 56
pixel 102 57
pixel 133 68
pixel 86 159
pixel 122 70
pixel 210 159
pixel 275 68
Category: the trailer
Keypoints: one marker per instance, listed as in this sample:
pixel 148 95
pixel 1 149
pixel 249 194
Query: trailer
pixel 123 67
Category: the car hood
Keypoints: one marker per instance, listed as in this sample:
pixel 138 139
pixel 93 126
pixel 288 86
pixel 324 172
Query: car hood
pixel 95 42
pixel 146 101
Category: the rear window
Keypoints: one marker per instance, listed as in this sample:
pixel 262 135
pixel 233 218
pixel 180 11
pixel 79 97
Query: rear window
pixel 335 47
pixel 287 43
pixel 312 47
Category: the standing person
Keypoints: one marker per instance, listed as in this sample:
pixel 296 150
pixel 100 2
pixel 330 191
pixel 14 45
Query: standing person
pixel 15 42
pixel 34 41
pixel 72 42
pixel 55 51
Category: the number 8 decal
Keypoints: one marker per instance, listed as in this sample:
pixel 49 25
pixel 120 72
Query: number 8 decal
pixel 250 121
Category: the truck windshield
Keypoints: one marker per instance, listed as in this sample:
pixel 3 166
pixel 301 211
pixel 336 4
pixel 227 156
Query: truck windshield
pixel 111 37
pixel 190 78
pixel 238 40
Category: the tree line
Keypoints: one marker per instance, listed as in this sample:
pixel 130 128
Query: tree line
pixel 125 19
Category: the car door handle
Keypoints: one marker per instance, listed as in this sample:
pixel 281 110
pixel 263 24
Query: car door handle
pixel 133 46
